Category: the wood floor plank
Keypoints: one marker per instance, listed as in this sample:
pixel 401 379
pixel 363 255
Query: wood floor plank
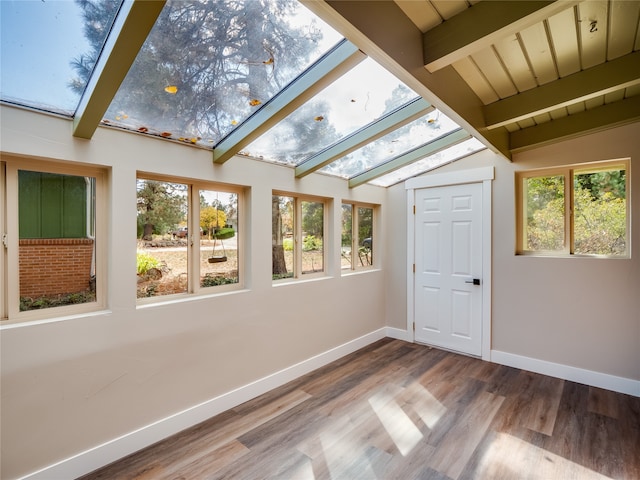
pixel 603 402
pixel 396 410
pixel 458 445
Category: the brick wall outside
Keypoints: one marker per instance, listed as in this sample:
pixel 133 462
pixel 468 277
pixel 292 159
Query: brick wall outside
pixel 54 266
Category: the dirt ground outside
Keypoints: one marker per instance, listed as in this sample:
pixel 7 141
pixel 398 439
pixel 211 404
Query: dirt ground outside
pixel 173 258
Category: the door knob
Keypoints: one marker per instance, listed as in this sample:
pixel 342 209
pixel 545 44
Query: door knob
pixel 475 281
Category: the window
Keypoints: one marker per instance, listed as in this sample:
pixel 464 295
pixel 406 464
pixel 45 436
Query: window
pixel 54 244
pixel 356 251
pixel 298 226
pixel 580 210
pixel 187 237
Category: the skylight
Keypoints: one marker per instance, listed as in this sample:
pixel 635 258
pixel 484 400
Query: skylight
pixel 207 66
pixel 343 107
pixel 45 51
pixel 438 159
pixel 408 137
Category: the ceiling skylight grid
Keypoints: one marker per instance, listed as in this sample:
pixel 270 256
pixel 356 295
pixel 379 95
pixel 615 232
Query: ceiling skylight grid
pixel 265 79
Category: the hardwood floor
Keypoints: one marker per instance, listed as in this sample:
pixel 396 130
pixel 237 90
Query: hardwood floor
pixel 396 410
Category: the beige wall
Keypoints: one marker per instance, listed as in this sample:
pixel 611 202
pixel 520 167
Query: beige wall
pixel 579 312
pixel 73 384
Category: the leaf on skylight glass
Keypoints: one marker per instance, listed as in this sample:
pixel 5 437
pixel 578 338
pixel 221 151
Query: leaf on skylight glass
pixel 143 129
pixel 165 134
pixel 319 118
pixel 234 122
pixel 172 89
pixel 268 62
pixel 254 102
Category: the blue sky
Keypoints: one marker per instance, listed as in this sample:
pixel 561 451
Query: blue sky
pixel 38 41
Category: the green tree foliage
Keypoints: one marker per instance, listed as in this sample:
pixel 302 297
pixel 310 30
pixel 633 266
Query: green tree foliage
pixel 313 218
pixel 599 218
pixel 347 223
pixel 161 206
pixel 545 213
pixel 599 222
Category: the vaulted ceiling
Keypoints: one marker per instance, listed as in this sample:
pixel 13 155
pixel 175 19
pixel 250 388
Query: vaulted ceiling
pixel 519 73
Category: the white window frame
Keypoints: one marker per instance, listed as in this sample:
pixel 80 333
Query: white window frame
pixel 193 237
pixel 568 172
pixel 4 240
pixel 297 235
pixel 355 240
pixel 11 269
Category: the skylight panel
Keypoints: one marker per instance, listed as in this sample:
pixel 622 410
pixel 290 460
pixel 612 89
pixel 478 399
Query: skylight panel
pixel 408 137
pixel 49 49
pixel 443 157
pixel 208 65
pixel 346 105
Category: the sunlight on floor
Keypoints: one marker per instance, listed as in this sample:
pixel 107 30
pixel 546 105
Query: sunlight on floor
pixel 426 405
pixel 344 454
pixel 399 426
pixel 510 457
pixel 304 471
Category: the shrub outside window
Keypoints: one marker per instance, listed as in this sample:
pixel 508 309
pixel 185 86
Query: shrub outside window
pixel 578 210
pixel 187 237
pixel 298 226
pixel 357 244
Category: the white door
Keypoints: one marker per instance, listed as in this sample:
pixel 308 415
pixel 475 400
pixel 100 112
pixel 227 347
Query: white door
pixel 448 267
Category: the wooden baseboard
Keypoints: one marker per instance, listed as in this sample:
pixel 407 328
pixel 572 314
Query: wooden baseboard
pixel 566 372
pixel 131 442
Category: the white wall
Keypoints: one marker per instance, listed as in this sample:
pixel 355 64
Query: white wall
pixel 582 313
pixel 73 384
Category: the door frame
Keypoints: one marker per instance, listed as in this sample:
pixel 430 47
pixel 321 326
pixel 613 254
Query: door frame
pixel 484 176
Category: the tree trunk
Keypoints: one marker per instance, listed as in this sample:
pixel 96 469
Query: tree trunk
pixel 279 266
pixel 277 256
pixel 147 233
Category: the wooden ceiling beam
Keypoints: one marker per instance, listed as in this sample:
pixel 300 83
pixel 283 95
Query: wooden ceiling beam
pixel 481 25
pixel 607 116
pixel 618 74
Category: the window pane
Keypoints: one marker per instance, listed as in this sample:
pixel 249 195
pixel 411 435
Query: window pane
pixel 312 237
pixel 218 238
pixel 206 66
pixel 431 162
pixel 365 237
pixel 56 239
pixel 282 236
pixel 49 50
pixel 414 134
pixel 347 236
pixel 162 238
pixel 339 110
pixel 600 212
pixel 544 203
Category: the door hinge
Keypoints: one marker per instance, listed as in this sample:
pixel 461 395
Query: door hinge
pixel 4 240
pixel 414 268
pixel 414 327
pixel 414 209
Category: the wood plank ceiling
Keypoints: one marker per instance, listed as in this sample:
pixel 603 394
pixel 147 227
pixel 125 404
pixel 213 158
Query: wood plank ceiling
pixel 533 72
